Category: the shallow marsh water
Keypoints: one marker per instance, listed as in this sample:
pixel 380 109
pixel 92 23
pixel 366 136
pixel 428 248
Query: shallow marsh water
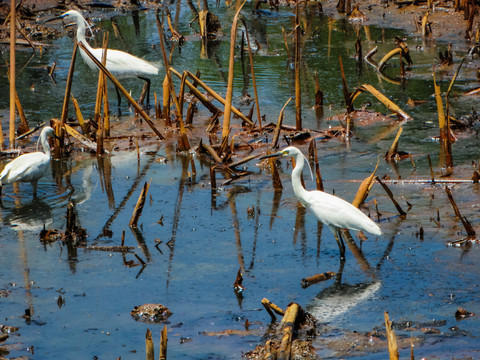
pixel 210 237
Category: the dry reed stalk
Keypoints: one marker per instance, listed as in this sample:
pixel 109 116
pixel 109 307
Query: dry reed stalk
pixel 68 87
pixel 271 308
pixel 387 57
pixel 284 351
pixel 444 132
pixel 466 224
pixel 254 82
pixel 306 282
pixel 364 189
pixel 101 80
pixel 11 143
pixel 149 345
pixel 139 206
pixel 207 103
pixel 386 101
pixel 213 179
pixel 31 131
pixel 312 149
pixel 231 69
pixel 163 344
pixel 346 95
pixel 124 92
pixel 425 31
pixel 158 110
pixel 183 143
pixel 394 148
pixel 80 118
pixel 390 195
pixel 84 140
pixel 431 168
pixel 276 134
pixel 167 66
pixel 391 339
pixel 23 127
pixel 298 88
pixel 166 102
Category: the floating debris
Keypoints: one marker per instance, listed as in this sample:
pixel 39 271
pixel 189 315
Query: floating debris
pixel 150 313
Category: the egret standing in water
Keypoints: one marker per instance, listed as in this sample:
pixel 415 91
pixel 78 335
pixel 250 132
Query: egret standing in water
pixel 29 167
pixel 119 63
pixel 329 209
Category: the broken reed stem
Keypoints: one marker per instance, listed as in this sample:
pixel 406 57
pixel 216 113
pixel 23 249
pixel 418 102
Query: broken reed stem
pixel 445 139
pixel 298 89
pixel 139 206
pixel 431 168
pixel 11 143
pixel 346 94
pixel 167 66
pixel 393 149
pixel 68 87
pixel 390 195
pixel 231 68
pixel 391 339
pixel 271 308
pixel 313 153
pixel 149 345
pixel 276 134
pixel 202 98
pixel 289 321
pixel 466 224
pixel 364 188
pixel 286 43
pixel 124 92
pixel 101 79
pixel 23 127
pixel 276 181
pixel 252 70
pixel 163 344
pixel 306 282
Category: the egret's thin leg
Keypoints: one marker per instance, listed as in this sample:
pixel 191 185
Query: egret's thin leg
pixel 147 80
pixel 34 186
pixel 119 98
pixel 341 244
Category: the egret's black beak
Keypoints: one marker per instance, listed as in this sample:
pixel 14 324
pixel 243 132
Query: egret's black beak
pixel 277 154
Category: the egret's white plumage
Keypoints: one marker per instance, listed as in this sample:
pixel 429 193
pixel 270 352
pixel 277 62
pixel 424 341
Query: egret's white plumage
pixel 119 63
pixel 329 209
pixel 29 167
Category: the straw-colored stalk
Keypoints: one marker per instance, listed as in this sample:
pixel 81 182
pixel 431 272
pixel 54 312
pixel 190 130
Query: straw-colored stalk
pixel 82 139
pixel 390 195
pixel 276 134
pixel 149 345
pixel 394 148
pixel 286 43
pixel 445 139
pixel 364 188
pixel 23 127
pixel 387 57
pixel 271 308
pixel 289 324
pixel 163 344
pixel 217 97
pixel 80 117
pixel 166 101
pixel 254 82
pixel 12 77
pixel 167 66
pixel 391 339
pixel 124 92
pixel 386 101
pixel 231 68
pixel 139 206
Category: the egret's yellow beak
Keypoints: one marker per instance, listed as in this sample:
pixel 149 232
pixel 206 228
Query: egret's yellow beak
pixel 277 154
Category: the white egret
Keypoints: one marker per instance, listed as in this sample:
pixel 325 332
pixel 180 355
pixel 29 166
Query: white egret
pixel 29 167
pixel 329 209
pixel 119 63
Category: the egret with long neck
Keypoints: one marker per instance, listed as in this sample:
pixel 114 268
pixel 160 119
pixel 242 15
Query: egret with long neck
pixel 29 167
pixel 331 210
pixel 119 63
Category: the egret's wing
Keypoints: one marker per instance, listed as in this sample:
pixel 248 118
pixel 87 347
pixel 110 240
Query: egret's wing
pixel 126 64
pixel 25 168
pixel 334 211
